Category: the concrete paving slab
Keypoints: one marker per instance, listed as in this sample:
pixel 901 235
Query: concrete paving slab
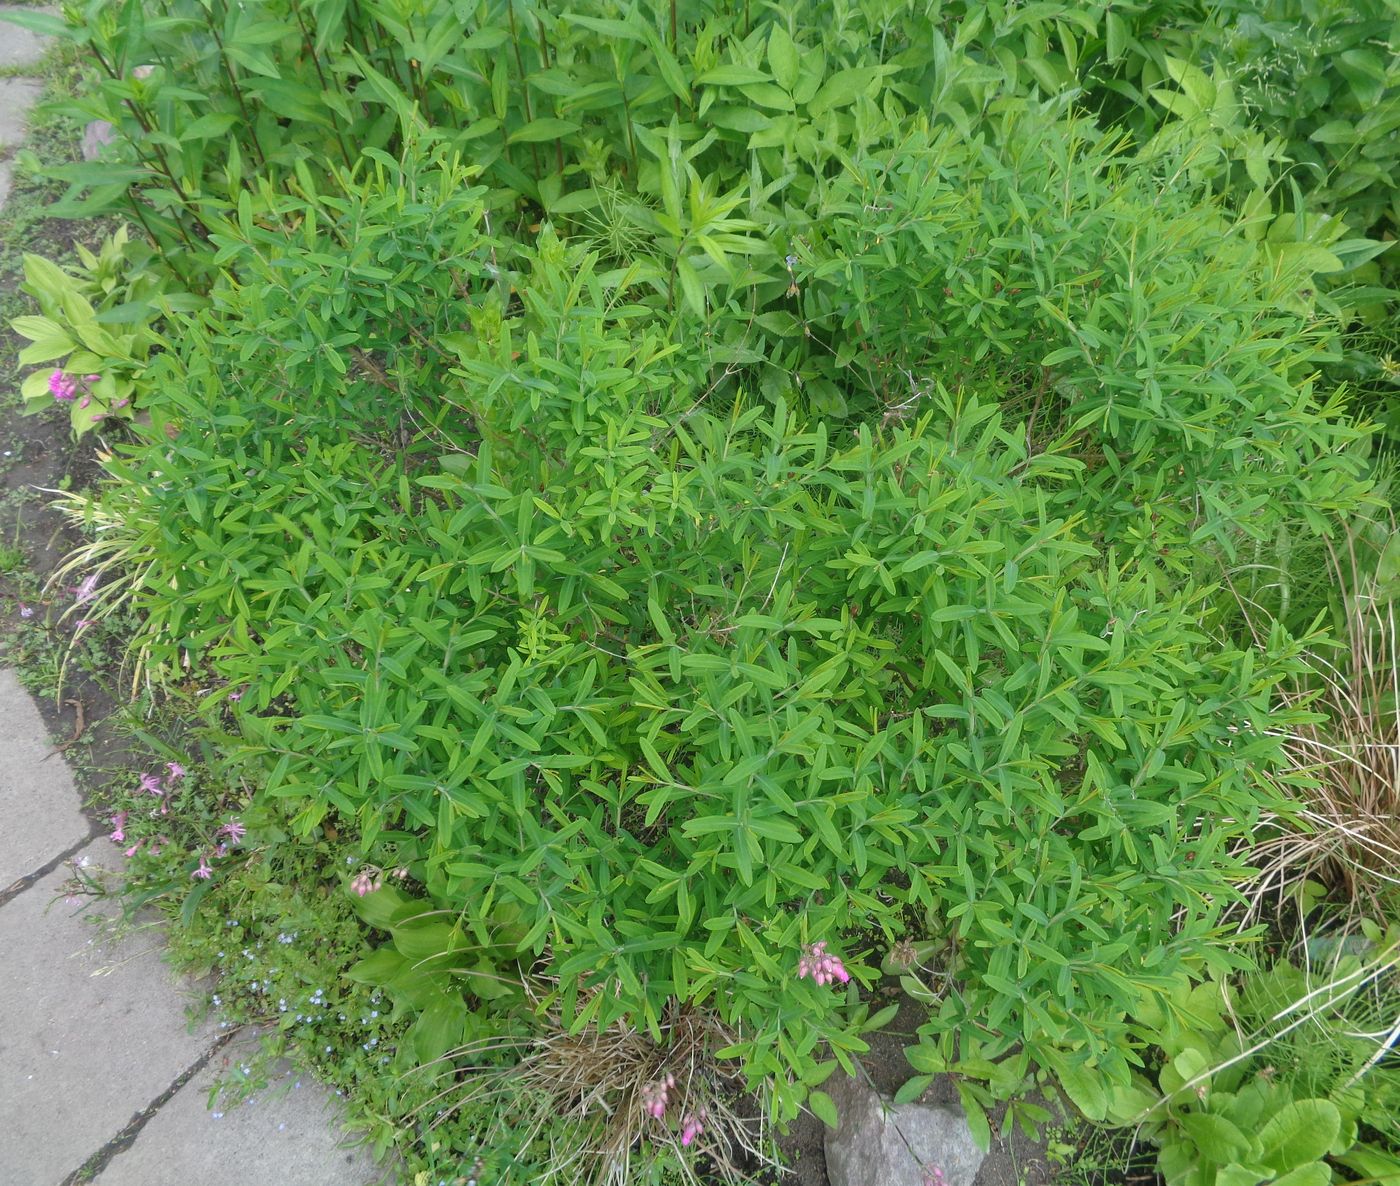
pixel 20 47
pixel 286 1134
pixel 17 96
pixel 40 808
pixel 91 1032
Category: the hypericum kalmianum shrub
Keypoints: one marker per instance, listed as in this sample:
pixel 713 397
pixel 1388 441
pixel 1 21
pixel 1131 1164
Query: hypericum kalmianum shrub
pixel 666 679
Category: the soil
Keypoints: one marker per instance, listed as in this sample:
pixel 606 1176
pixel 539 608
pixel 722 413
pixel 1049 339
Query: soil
pixel 43 456
pixel 38 453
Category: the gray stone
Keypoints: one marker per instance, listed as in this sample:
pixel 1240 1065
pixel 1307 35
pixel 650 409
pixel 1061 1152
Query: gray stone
pixel 286 1134
pixel 97 133
pixel 5 178
pixel 40 809
pixel 20 47
pixel 880 1143
pixel 17 96
pixel 93 1029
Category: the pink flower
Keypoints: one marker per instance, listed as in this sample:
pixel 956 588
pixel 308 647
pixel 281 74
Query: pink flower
pixel 151 785
pixel 204 871
pixel 91 379
pixel 175 772
pixel 821 966
pixel 131 852
pixel 85 592
pixel 119 826
pixel 234 831
pixel 656 1095
pixel 238 695
pixel 692 1125
pixel 365 883
pixel 61 387
pixel 934 1177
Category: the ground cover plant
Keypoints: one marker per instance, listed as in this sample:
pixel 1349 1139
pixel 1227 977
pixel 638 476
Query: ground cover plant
pixel 707 508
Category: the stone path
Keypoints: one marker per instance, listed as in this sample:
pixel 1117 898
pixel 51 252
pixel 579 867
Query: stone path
pixel 98 1066
pixel 102 1078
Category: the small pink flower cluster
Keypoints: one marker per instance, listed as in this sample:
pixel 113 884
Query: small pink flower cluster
pixel 235 832
pixel 86 591
pixel 64 388
pixel 153 844
pixel 656 1095
pixel 934 1177
pixel 164 786
pixel 656 1098
pixel 152 785
pixel 692 1125
pixel 367 881
pixel 821 966
pixel 371 878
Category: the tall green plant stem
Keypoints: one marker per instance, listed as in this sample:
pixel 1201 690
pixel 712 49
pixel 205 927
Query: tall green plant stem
pixel 415 71
pixel 544 65
pixel 524 85
pixel 233 85
pixel 159 161
pixel 325 85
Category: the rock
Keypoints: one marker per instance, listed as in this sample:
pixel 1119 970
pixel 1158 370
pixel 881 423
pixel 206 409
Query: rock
pixel 17 96
pixel 880 1143
pixel 95 135
pixel 22 49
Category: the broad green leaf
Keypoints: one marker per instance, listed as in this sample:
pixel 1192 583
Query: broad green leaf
pixel 1306 257
pixel 842 89
pixel 731 75
pixel 1336 131
pixel 783 57
pixel 1083 1084
pixel 1298 1133
pixel 547 128
pixel 1215 1137
pixel 1194 81
pixel 691 286
pixel 38 329
pixel 824 1108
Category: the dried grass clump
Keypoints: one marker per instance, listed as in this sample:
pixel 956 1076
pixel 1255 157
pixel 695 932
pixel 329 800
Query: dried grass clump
pixel 1344 771
pixel 586 1095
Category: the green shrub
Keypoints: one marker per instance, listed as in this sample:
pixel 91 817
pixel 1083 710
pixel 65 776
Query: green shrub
pixel 1137 325
pixel 673 688
pixel 1323 77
